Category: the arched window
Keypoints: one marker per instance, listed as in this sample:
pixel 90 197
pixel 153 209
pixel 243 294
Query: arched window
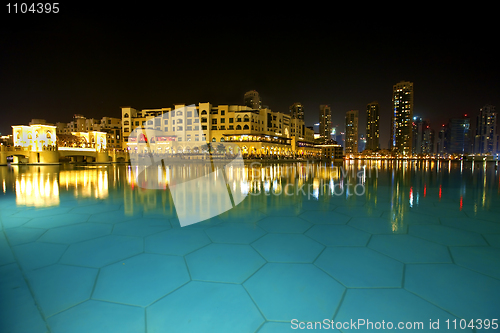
pixel 204 112
pixel 48 135
pixel 125 115
pixel 238 127
pixel 29 136
pixel 222 140
pixel 246 119
pixel 245 127
pixel 178 113
pixel 214 140
pixel 126 123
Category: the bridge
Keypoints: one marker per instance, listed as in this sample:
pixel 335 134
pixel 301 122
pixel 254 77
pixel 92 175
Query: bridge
pixel 23 155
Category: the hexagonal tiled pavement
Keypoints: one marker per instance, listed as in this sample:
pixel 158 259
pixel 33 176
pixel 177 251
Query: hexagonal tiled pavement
pixel 460 291
pixel 157 274
pixel 111 317
pixel 102 251
pixel 91 266
pixel 294 291
pixel 58 287
pixel 224 263
pixel 204 307
pixel 288 248
pixel 360 267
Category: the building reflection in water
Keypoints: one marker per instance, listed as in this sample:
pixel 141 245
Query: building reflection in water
pixel 396 187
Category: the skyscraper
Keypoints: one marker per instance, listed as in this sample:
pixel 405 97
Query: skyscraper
pixel 351 132
pixel 486 138
pixel 402 116
pixel 459 136
pixel 297 111
pixel 252 100
pixel 372 126
pixel 422 136
pixel 325 121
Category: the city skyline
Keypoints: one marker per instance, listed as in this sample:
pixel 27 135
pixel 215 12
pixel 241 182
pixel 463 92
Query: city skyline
pixel 59 66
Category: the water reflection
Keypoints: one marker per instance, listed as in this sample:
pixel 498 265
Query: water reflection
pixel 394 187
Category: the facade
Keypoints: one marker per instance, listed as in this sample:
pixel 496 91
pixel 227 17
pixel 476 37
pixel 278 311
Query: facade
pixel 351 132
pixel 372 126
pixel 331 151
pixel 252 100
pixel 184 129
pixel 325 121
pixel 402 116
pixel 297 111
pixel 459 136
pixel 112 128
pixel 485 141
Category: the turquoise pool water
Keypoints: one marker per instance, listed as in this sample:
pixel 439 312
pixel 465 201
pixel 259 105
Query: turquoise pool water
pixel 360 246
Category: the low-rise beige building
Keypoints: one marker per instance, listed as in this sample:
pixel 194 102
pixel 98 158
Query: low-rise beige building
pixel 258 132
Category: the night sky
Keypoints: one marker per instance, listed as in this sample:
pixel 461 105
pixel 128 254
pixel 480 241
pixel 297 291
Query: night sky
pixel 94 61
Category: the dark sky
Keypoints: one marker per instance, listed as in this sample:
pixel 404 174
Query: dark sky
pixel 93 61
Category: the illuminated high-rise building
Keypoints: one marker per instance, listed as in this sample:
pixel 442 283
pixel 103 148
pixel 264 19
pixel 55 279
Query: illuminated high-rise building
pixel 325 121
pixel 252 100
pixel 351 132
pixel 486 131
pixel 402 116
pixel 372 126
pixel 297 111
pixel 459 135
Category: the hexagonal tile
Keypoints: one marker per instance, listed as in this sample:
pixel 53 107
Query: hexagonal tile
pixel 393 306
pixel 378 225
pixel 58 287
pixel 359 211
pixel 224 263
pixel 113 216
pixel 6 255
pixel 35 255
pixel 56 220
pixel 219 307
pixel 493 240
pixel 141 227
pixel 95 208
pixel 360 267
pixel 338 235
pixel 12 221
pixel 447 235
pixel 76 233
pixel 177 241
pixel 481 259
pixel 294 291
pixel 324 217
pixel 409 249
pixel 241 215
pixel 410 217
pixel 102 251
pixel 213 221
pixel 284 224
pixel 281 210
pixel 288 248
pixel 475 225
pixel 460 291
pixel 235 233
pixel 438 212
pixel 18 310
pixel 141 280
pixel 42 212
pixel 22 235
pixel 99 317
